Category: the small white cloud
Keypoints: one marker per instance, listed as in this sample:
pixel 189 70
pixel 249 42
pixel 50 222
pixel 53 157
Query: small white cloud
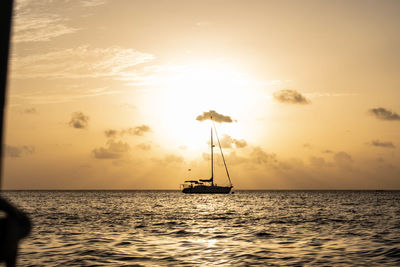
pixel 79 120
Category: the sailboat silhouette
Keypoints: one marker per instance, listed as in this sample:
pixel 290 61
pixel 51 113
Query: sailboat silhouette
pixel 207 186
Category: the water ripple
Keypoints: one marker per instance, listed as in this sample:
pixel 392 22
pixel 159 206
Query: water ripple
pixel 269 228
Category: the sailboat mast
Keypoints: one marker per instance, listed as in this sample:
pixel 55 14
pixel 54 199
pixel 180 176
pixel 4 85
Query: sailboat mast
pixel 222 154
pixel 212 159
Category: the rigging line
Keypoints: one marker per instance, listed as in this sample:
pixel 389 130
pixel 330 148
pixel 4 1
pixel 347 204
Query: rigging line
pixel 223 158
pixel 212 159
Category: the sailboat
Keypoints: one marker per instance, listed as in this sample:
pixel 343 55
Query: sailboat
pixel 207 186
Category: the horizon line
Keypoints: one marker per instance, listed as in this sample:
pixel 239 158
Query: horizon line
pixel 305 189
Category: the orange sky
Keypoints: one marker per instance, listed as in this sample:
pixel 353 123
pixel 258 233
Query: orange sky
pixel 105 94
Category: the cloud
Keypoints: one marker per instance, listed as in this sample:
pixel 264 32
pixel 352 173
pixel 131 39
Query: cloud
pixel 215 117
pixel 33 28
pixel 290 97
pixel 138 130
pixel 259 156
pixel 79 120
pixel 38 21
pixel 290 164
pixel 92 3
pixel 104 153
pixel 343 160
pixel 37 98
pixel 227 142
pixel 113 150
pixel 381 144
pixel 18 151
pixel 327 151
pixel 110 133
pixel 233 159
pixel 43 20
pixel 143 146
pixel 256 156
pixel 384 114
pixel 33 23
pixel 80 62
pixel 240 143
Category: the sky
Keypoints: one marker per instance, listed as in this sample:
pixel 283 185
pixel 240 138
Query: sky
pixel 117 94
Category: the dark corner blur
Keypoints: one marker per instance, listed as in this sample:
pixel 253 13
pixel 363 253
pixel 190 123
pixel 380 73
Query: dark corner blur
pixel 14 224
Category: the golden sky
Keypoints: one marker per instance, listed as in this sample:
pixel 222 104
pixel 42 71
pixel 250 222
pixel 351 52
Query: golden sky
pixel 105 94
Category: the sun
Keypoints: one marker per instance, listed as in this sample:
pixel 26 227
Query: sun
pixel 192 89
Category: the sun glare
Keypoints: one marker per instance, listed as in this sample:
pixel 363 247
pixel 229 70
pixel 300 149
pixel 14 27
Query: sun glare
pixel 195 89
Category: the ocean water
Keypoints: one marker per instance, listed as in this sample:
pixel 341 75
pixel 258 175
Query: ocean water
pixel 168 228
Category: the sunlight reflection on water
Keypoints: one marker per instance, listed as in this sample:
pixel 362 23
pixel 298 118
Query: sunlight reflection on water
pixel 169 228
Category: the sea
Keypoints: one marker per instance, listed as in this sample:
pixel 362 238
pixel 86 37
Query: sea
pixel 247 228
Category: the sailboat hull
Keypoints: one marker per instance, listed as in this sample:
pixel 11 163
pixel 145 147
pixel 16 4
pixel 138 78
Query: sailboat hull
pixel 205 189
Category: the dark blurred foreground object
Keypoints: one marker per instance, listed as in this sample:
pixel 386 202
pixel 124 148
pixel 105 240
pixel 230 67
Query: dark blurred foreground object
pixel 13 227
pixel 14 224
